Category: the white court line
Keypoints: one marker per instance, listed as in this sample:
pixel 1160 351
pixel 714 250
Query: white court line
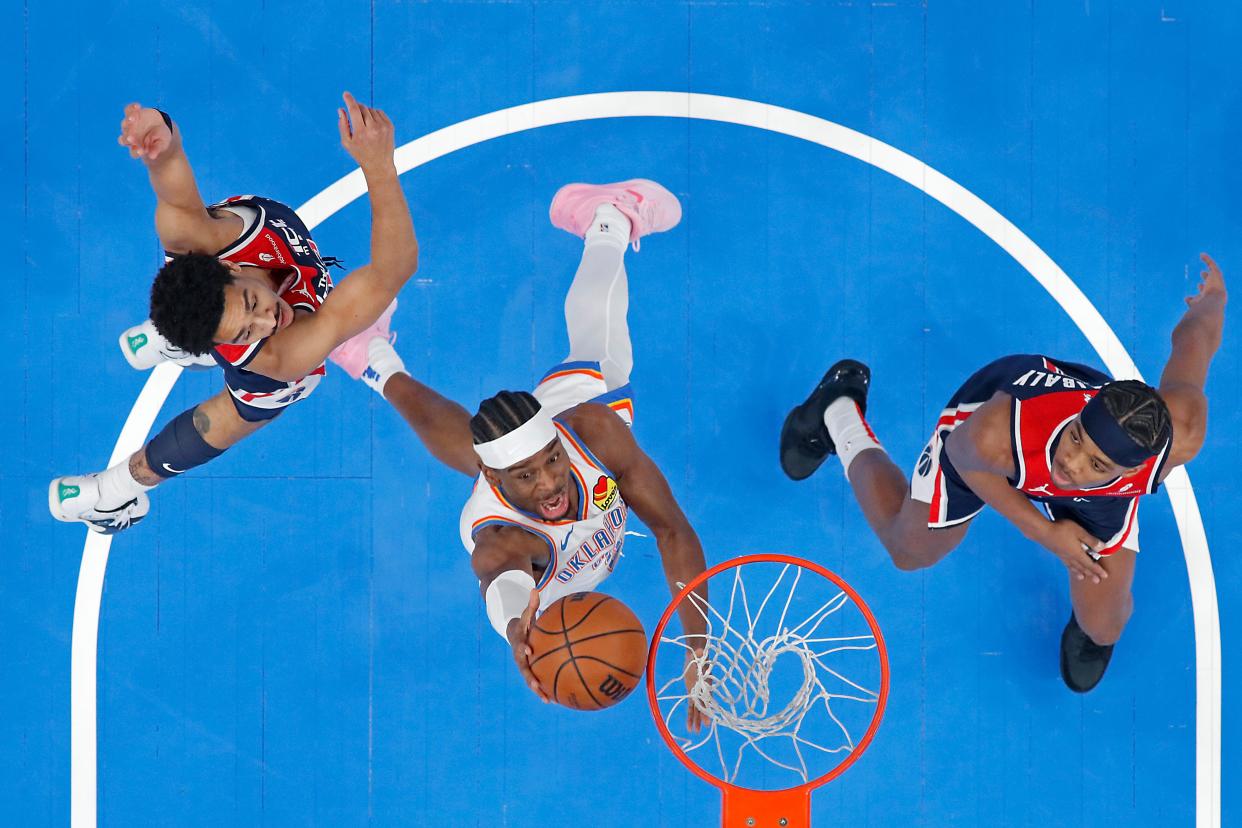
pixel 743 113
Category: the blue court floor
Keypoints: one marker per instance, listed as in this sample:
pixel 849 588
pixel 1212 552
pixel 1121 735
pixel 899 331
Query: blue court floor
pixel 294 636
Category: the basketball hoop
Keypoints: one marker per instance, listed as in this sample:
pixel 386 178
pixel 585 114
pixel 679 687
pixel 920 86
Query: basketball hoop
pixel 790 647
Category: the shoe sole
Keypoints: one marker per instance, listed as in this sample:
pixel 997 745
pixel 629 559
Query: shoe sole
pixel 800 474
pixel 123 342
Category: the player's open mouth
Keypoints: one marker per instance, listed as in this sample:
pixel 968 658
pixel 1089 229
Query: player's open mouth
pixel 283 317
pixel 554 507
pixel 1060 479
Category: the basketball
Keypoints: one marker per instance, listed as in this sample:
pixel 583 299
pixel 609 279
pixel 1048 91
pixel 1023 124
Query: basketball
pixel 589 651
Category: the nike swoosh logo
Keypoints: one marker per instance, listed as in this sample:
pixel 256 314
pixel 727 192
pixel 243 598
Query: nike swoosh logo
pixel 171 470
pixel 565 542
pixel 125 505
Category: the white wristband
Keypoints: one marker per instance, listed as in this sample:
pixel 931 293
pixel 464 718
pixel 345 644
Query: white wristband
pixel 507 597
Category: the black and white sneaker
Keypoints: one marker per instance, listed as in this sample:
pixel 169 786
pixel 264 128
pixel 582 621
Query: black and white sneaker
pixel 805 441
pixel 1083 662
pixel 75 499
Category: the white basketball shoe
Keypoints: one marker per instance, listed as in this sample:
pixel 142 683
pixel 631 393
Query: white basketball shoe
pixel 75 499
pixel 144 347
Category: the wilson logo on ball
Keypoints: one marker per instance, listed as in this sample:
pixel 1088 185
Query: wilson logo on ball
pixel 613 688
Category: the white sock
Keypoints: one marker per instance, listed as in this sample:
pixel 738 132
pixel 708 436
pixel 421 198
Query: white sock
pixel 117 486
pixel 609 226
pixel 383 362
pixel 849 431
pixel 598 300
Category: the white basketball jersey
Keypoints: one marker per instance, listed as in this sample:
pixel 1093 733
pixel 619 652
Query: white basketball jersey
pixel 582 551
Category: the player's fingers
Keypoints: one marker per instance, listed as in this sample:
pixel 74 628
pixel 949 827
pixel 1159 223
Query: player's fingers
pixel 696 719
pixel 1089 568
pixel 532 682
pixel 351 107
pixel 1090 564
pixel 1209 262
pixel 131 109
pixel 342 125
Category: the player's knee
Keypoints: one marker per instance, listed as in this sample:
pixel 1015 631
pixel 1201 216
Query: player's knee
pixel 1105 626
pixel 179 447
pixel 907 557
pixel 909 563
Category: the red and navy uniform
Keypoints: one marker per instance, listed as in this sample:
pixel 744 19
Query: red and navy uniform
pixel 1047 395
pixel 277 239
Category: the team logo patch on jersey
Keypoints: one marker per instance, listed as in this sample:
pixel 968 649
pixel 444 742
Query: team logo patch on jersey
pixel 604 494
pixel 924 465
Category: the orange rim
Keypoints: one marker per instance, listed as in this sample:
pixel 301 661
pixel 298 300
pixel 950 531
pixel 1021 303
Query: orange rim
pixel 881 650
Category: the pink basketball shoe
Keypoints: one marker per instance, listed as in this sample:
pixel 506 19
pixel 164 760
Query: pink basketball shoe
pixel 649 207
pixel 351 355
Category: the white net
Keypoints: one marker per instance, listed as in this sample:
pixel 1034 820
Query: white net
pixel 780 679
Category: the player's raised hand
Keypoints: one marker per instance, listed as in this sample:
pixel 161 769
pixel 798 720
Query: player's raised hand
pixel 366 134
pixel 518 634
pixel 144 133
pixel 1211 284
pixel 1070 542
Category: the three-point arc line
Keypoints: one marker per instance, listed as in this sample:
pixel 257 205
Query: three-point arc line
pixel 83 780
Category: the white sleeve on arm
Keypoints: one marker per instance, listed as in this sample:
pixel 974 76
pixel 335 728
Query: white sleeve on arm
pixel 506 598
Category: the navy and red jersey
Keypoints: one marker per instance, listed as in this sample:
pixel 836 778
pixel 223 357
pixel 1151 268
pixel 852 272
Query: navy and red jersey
pixel 1047 395
pixel 1046 399
pixel 277 239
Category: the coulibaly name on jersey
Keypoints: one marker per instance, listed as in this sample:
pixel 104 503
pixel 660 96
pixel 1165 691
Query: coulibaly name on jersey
pixel 1034 379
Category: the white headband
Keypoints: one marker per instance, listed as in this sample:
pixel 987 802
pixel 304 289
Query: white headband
pixel 523 442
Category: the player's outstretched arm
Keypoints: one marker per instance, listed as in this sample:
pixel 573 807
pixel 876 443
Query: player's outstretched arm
pixel 502 562
pixel 181 217
pixel 645 489
pixel 442 425
pixel 1195 341
pixel 981 451
pixel 367 135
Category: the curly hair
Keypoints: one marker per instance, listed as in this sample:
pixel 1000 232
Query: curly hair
pixel 501 414
pixel 1138 408
pixel 187 301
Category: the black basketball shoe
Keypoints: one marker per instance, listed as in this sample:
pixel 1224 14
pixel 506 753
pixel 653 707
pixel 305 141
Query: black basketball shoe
pixel 805 441
pixel 1083 662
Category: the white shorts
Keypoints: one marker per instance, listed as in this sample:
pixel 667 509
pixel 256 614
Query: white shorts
pixel 571 383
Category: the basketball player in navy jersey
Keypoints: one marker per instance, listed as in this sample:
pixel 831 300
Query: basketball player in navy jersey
pixel 244 282
pixel 1029 430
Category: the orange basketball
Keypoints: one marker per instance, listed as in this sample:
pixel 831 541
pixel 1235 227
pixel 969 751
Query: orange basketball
pixel 590 650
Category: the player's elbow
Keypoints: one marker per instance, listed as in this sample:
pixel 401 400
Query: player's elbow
pixel 1188 410
pixel 400 262
pixel 285 367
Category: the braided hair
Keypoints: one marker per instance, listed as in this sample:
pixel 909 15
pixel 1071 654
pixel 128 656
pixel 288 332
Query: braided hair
pixel 501 414
pixel 1140 411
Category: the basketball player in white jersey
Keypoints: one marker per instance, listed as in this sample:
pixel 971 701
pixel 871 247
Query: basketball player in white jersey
pixel 556 471
pixel 1059 449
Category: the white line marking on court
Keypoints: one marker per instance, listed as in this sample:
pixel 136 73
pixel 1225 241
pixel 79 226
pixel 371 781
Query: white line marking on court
pixel 742 113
